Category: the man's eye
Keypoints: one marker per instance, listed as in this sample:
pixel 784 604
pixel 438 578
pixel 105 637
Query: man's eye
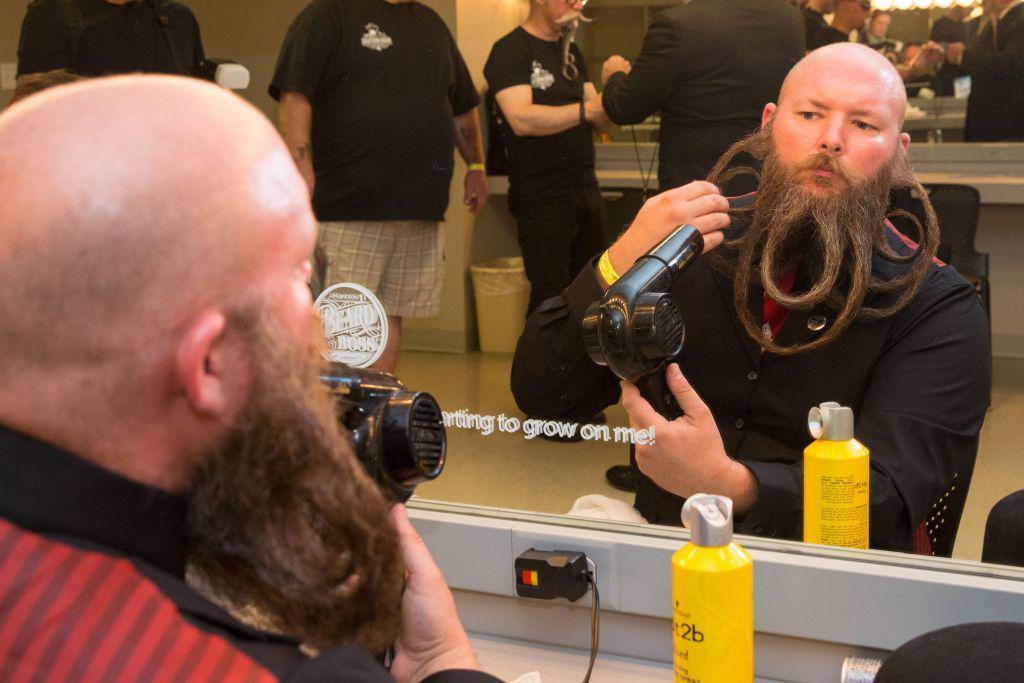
pixel 863 126
pixel 809 115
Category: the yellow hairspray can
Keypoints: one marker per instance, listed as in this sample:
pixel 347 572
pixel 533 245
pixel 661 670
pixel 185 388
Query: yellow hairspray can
pixel 837 475
pixel 712 598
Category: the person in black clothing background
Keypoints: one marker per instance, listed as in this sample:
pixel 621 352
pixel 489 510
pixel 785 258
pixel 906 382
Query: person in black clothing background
pixel 103 37
pixel 951 28
pixel 994 59
pixel 708 67
pixel 814 21
pixel 780 320
pixel 374 100
pixel 176 418
pixel 541 88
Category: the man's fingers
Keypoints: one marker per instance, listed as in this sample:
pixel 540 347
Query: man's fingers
pixel 712 240
pixel 686 395
pixel 414 550
pixel 690 191
pixel 639 410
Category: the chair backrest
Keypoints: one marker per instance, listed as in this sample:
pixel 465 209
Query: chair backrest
pixel 957 208
pixel 1004 532
pixel 937 533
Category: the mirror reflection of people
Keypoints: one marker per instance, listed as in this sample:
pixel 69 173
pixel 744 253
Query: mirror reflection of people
pixel 553 190
pixel 876 35
pixel 951 28
pixel 849 16
pixel 707 68
pixel 815 298
pixel 994 59
pixel 103 37
pixel 814 21
pixel 160 408
pixel 374 100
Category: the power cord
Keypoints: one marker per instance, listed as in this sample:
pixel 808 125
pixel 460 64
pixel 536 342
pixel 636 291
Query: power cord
pixel 645 176
pixel 595 624
pixel 568 574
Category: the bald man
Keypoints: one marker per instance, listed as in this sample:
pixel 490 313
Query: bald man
pixel 813 298
pixel 159 408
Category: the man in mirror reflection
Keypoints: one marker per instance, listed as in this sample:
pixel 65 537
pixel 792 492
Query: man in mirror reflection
pixel 161 410
pixel 540 82
pixel 103 37
pixel 374 99
pixel 707 68
pixel 813 297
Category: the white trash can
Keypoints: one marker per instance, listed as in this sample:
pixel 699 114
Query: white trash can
pixel 502 295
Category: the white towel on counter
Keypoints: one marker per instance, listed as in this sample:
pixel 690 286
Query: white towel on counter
pixel 596 506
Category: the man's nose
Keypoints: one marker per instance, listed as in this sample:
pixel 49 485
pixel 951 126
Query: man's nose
pixel 831 140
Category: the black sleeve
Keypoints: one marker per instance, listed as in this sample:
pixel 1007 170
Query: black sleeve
pixel 462 94
pixel 307 50
pixel 45 43
pixel 982 59
pixel 552 375
pixel 631 98
pixel 506 67
pixel 920 416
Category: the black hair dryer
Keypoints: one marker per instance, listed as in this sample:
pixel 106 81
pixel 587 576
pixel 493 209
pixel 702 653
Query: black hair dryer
pixel 398 434
pixel 636 328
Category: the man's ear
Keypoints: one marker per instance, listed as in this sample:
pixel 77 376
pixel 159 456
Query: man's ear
pixel 905 141
pixel 199 364
pixel 766 115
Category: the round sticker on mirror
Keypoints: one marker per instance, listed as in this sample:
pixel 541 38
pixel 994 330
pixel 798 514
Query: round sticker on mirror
pixel 355 324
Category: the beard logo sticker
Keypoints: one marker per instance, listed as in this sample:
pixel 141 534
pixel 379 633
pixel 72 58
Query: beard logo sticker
pixel 375 39
pixel 541 78
pixel 355 324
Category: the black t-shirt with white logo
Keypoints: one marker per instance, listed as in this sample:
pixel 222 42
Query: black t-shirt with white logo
pixel 385 81
pixel 550 166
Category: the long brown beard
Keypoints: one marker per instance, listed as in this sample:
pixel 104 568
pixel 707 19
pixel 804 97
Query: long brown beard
pixel 283 520
pixel 831 238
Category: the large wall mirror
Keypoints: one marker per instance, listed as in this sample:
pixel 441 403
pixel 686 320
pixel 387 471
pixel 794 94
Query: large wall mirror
pixel 498 458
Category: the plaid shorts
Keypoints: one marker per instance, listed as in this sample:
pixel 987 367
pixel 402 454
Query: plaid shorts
pixel 402 262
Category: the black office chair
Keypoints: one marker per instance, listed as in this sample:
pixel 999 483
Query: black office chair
pixel 1004 532
pixel 937 532
pixel 957 207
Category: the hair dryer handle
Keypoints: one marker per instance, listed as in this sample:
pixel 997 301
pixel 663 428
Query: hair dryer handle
pixel 654 388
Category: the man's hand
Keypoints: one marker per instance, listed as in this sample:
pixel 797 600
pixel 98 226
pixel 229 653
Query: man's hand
pixel 698 203
pixel 431 638
pixel 476 191
pixel 687 456
pixel 614 65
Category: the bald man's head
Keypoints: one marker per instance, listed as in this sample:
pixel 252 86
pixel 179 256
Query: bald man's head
pixel 831 152
pixel 849 64
pixel 130 204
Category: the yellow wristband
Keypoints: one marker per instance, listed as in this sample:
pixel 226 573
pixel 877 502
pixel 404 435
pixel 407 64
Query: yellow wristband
pixel 607 269
pixel 476 167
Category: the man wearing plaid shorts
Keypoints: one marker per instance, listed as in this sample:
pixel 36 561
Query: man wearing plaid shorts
pixel 374 96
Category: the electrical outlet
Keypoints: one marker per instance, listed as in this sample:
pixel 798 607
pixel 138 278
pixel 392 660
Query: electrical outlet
pixel 8 74
pixel 603 555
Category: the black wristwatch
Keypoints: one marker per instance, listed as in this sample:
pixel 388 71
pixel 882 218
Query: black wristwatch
pixel 583 113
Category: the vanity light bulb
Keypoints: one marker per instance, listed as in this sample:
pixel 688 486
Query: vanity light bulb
pixel 944 3
pixel 903 4
pixel 965 3
pixel 883 5
pixel 923 4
